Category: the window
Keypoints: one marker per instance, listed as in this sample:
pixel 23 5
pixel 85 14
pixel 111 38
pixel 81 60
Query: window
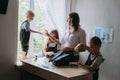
pixel 36 40
pixel 38 25
pixel 53 12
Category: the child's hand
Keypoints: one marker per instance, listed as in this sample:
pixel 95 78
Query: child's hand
pixel 74 63
pixel 46 33
pixel 40 33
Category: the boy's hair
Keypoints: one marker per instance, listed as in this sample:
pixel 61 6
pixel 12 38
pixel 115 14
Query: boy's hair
pixel 96 41
pixel 30 13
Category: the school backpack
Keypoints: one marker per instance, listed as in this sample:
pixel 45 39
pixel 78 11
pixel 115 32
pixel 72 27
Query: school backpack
pixel 61 58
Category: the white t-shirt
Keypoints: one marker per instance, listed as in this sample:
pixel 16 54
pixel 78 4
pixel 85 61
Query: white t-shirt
pixel 72 39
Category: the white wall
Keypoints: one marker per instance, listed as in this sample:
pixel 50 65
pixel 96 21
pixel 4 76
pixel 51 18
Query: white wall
pixel 102 12
pixel 8 42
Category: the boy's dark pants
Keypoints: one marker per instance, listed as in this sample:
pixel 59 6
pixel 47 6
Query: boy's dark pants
pixel 24 39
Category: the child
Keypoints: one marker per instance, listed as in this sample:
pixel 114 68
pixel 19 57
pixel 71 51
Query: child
pixel 94 59
pixel 25 33
pixel 53 44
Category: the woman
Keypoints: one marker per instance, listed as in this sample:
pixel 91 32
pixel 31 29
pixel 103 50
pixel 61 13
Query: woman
pixel 74 35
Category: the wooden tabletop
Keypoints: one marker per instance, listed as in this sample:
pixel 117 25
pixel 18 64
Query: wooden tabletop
pixel 43 68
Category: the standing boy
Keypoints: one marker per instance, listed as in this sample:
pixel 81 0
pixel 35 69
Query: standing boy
pixel 25 33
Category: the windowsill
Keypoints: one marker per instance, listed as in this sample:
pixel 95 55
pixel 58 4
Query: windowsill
pixel 19 62
pixel 47 71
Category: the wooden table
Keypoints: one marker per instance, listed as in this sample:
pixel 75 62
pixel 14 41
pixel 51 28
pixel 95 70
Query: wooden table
pixel 41 67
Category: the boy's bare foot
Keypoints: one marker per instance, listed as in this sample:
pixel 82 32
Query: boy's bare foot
pixel 24 56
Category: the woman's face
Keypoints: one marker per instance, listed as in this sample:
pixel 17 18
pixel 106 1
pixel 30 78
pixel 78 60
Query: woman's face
pixel 69 20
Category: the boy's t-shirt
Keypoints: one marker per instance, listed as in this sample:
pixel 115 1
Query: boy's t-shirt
pixel 25 33
pixel 25 25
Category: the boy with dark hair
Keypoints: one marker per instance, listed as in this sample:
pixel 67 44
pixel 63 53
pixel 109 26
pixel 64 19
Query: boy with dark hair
pixel 94 59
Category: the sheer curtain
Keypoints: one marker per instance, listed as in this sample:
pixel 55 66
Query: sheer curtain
pixel 54 13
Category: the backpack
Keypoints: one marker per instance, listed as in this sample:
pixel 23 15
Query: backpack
pixel 61 58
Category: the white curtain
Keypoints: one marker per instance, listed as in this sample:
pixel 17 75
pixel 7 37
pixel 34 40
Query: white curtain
pixel 54 14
